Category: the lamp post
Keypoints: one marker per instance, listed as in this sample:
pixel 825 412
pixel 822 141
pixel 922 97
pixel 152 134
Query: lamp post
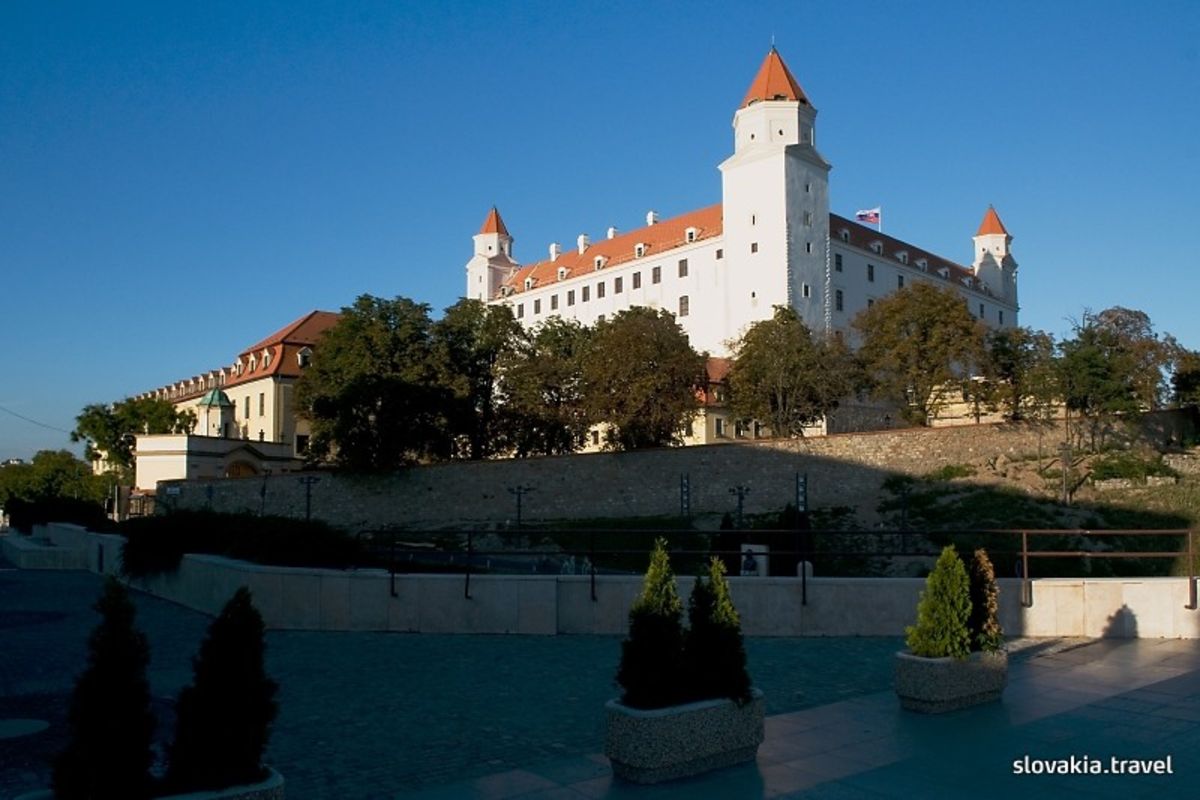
pixel 519 492
pixel 308 481
pixel 741 492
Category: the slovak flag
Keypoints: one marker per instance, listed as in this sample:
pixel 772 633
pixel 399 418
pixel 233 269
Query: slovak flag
pixel 870 215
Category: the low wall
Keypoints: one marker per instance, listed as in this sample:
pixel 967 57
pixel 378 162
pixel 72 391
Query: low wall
pixel 312 599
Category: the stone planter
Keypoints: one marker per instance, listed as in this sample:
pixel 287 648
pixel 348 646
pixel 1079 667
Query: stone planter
pixel 936 685
pixel 667 743
pixel 270 788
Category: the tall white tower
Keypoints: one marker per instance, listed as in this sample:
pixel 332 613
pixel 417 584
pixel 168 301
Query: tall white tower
pixel 994 264
pixel 775 192
pixel 492 261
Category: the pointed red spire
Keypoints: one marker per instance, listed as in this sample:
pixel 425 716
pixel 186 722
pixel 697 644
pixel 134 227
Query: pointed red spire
pixel 774 82
pixel 493 223
pixel 991 224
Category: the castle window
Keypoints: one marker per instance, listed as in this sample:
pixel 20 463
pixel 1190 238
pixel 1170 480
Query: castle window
pixel 637 280
pixel 944 272
pixel 262 403
pixel 520 311
pixel 266 358
pixel 845 235
pixel 639 250
pixel 902 257
pixel 899 281
pixel 690 235
pixel 585 294
pixel 808 247
pixel 754 247
pixel 683 306
pixel 923 264
pixel 554 302
pixel 720 427
pixel 806 290
pixel 562 273
pixel 618 285
pixel 246 406
pixel 837 262
pixel 599 262
pixel 837 300
pixel 807 215
pixel 537 306
pixel 656 275
pixel 595 437
pixel 528 284
pixel 571 297
pixel 871 272
pixel 599 290
pixel 877 247
pixel 1001 313
pixel 683 267
pixel 720 253
pixel 807 188
pixel 753 219
pixel 981 310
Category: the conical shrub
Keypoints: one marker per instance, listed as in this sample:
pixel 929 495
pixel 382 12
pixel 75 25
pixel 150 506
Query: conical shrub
pixel 984 622
pixel 109 721
pixel 714 651
pixel 943 611
pixel 652 657
pixel 224 717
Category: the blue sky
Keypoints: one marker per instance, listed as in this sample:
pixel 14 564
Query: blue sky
pixel 179 180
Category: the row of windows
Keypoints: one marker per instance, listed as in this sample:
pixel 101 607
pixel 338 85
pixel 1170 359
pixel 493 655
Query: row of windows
pixel 618 288
pixel 262 405
pixel 684 309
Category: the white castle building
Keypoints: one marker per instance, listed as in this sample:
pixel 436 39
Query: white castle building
pixel 770 241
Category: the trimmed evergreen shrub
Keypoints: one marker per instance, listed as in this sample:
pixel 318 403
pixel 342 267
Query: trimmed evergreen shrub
pixel 224 717
pixel 714 652
pixel 652 656
pixel 109 721
pixel 984 622
pixel 942 613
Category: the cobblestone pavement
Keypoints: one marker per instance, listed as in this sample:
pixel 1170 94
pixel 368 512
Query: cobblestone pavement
pixel 367 715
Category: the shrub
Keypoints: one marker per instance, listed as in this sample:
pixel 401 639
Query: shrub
pixel 224 717
pixel 24 514
pixel 942 613
pixel 109 721
pixel 713 649
pixel 652 656
pixel 949 472
pixel 1129 465
pixel 983 623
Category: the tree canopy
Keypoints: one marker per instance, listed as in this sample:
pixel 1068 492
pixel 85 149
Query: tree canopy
pixel 1185 378
pixel 916 341
pixel 542 387
pixel 640 376
pixel 784 377
pixel 111 431
pixel 52 474
pixel 1019 364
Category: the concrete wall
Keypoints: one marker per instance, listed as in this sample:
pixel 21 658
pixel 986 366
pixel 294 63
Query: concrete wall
pixel 311 599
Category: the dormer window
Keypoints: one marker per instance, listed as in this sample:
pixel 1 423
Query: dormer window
pixel 877 248
pixel 944 272
pixel 639 250
pixel 923 264
pixel 506 291
pixel 600 261
pixel 562 273
pixel 304 357
pixel 690 234
pixel 266 358
pixel 528 284
pixel 845 235
pixel 902 257
pixel 253 363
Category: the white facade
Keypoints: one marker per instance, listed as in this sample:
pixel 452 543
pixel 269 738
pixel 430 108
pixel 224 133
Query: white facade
pixel 772 241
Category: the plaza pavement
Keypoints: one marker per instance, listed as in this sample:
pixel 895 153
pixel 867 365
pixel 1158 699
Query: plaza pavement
pixel 377 715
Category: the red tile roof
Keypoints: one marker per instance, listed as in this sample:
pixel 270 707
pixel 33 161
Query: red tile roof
pixel 991 224
pixel 863 237
pixel 774 82
pixel 493 223
pixel 658 239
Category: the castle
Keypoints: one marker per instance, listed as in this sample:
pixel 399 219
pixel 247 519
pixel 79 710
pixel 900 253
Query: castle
pixel 770 241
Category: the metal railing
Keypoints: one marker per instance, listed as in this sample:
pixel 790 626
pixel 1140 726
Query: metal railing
pixel 458 551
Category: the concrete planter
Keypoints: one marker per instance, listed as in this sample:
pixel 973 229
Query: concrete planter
pixel 269 789
pixel 936 685
pixel 676 742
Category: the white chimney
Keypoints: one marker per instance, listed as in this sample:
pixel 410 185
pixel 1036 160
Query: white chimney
pixel 555 251
pixel 612 232
pixel 582 242
pixel 651 217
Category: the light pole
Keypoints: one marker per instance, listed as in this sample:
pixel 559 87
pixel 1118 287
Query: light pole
pixel 741 492
pixel 308 481
pixel 519 492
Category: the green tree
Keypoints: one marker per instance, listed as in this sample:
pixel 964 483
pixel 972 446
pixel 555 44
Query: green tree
pixel 1019 362
pixel 109 721
pixel 943 611
pixel 1185 378
pixel 713 651
pixel 55 485
pixel 111 431
pixel 543 393
pixel 652 657
pixel 224 716
pixel 640 376
pixel 1145 354
pixel 372 392
pixel 783 376
pixel 984 622
pixel 916 341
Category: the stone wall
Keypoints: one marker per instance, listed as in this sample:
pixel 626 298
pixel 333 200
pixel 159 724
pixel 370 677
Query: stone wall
pixel 842 470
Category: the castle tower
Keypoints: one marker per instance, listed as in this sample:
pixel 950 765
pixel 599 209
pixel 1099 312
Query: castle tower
pixel 492 261
pixel 994 264
pixel 775 193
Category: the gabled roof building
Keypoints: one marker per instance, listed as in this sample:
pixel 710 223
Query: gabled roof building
pixel 770 241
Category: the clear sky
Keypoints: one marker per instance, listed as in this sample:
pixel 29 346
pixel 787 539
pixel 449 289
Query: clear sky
pixel 178 180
